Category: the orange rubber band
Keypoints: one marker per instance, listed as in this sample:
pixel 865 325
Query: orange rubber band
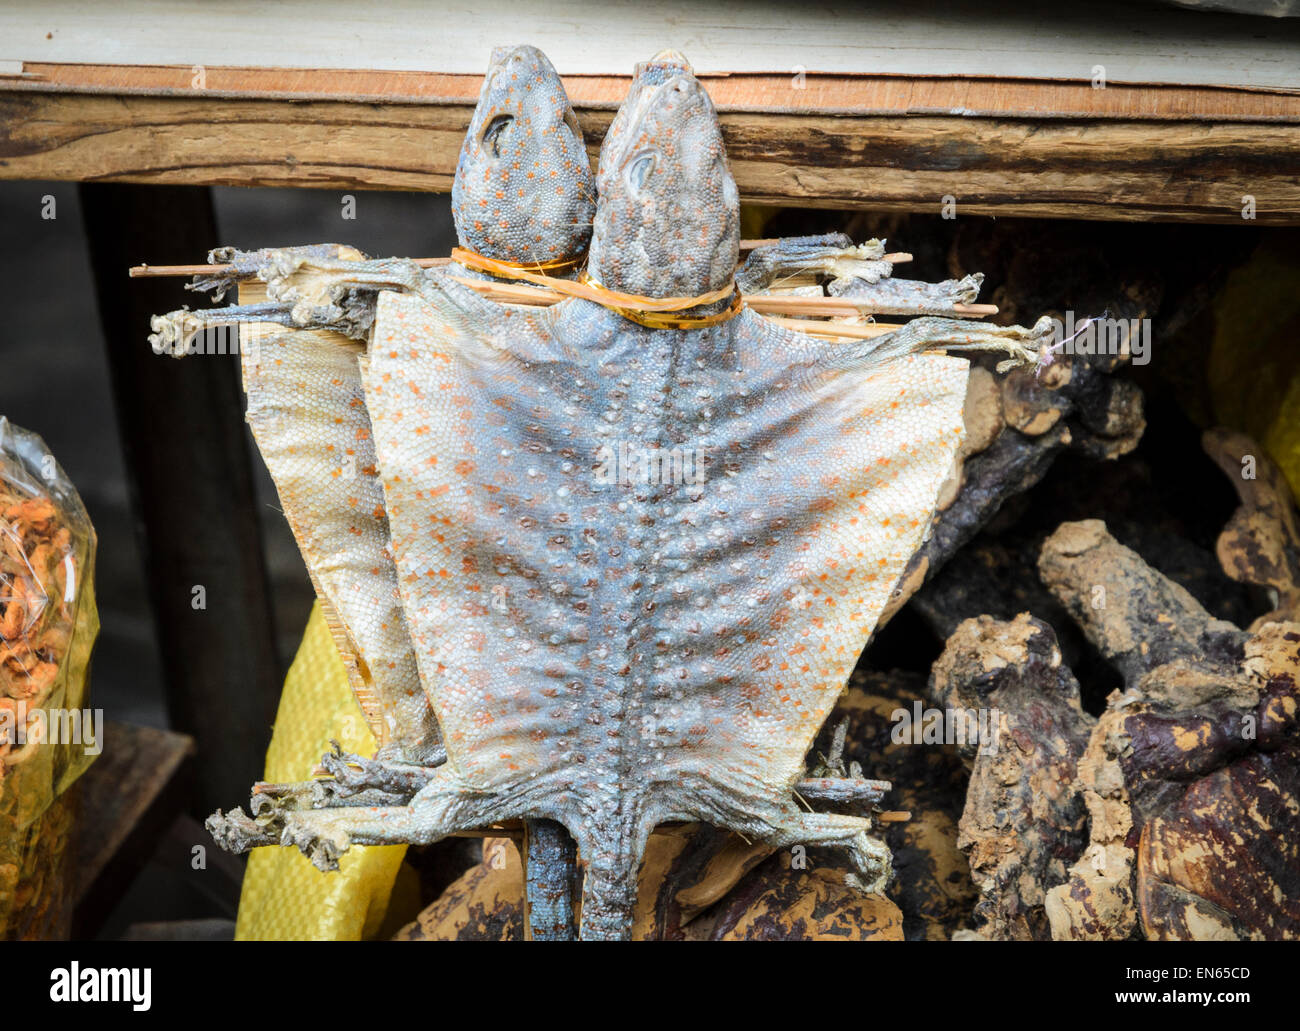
pixel 475 260
pixel 632 306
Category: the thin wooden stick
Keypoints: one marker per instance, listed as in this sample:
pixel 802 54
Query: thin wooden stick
pixel 897 816
pixel 156 271
pixel 515 828
pixel 837 330
pixel 517 293
pixel 777 304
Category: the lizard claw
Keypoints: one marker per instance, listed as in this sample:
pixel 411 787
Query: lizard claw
pixel 237 832
pixel 316 835
pixel 353 774
pixel 173 332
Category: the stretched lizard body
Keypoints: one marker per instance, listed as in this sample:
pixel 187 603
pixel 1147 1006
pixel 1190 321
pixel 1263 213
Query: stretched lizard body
pixel 522 190
pixel 638 565
pixel 611 651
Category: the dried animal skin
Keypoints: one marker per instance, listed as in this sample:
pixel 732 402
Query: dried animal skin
pixel 307 414
pixel 305 400
pixel 614 653
pixel 615 658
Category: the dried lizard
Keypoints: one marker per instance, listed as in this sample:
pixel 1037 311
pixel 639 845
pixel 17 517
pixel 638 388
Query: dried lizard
pixel 523 192
pixel 305 397
pixel 661 651
pixel 857 272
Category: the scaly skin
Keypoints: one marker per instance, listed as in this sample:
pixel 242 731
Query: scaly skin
pixel 305 401
pixel 615 653
pixel 523 191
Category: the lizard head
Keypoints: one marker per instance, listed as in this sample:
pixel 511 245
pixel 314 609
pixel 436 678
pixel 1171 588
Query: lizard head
pixel 523 189
pixel 668 218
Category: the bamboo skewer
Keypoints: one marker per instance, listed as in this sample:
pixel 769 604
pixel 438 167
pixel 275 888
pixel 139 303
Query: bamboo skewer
pixel 766 304
pixel 837 330
pixel 514 829
pixel 157 271
pixel 517 293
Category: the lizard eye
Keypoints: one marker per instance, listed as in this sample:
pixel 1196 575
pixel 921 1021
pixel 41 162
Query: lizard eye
pixel 492 134
pixel 639 171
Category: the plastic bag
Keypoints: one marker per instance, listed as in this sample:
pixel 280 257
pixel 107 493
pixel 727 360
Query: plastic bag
pixel 48 737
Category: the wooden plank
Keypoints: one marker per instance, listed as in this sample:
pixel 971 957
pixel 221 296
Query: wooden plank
pixel 128 798
pixel 1135 42
pixel 121 786
pixel 1110 169
pixel 815 93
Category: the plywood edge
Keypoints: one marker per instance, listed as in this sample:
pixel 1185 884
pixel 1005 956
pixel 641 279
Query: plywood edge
pixel 806 93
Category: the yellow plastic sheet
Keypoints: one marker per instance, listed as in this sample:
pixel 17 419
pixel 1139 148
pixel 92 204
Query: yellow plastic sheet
pixel 284 897
pixel 1254 369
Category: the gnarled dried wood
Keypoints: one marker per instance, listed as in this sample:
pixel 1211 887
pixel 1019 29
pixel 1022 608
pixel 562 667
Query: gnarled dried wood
pixel 1191 774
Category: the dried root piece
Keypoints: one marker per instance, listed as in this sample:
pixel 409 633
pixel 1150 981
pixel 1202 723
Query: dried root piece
pixel 773 903
pixel 1023 822
pixel 882 719
pixel 686 869
pixel 1139 619
pixel 777 903
pixel 486 903
pixel 1191 774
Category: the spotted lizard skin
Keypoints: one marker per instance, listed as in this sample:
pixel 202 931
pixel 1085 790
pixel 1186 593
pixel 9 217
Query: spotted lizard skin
pixel 613 654
pixel 308 416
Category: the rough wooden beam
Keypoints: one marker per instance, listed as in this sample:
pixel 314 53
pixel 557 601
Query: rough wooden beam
pixel 807 93
pixel 1111 168
pixel 128 798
